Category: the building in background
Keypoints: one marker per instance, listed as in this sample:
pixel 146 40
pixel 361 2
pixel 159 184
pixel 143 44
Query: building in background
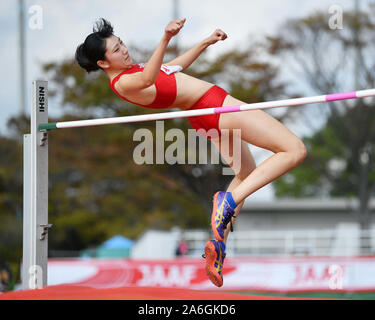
pixel 287 227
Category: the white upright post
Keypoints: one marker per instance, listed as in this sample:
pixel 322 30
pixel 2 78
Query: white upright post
pixel 35 207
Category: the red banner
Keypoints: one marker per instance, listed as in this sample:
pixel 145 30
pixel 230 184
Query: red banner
pixel 250 274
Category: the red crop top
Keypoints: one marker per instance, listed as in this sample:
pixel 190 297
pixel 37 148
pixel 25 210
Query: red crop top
pixel 166 89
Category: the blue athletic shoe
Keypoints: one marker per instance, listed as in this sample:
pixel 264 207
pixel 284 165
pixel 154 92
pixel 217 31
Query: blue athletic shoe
pixel 214 255
pixel 221 215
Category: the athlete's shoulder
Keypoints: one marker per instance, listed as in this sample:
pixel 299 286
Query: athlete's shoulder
pixel 131 79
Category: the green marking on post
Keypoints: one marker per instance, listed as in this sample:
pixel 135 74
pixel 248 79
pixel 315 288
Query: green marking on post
pixel 48 126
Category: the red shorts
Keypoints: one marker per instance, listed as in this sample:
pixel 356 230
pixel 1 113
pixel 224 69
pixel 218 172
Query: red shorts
pixel 213 98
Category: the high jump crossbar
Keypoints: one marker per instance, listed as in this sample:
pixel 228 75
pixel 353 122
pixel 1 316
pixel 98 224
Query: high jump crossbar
pixel 208 111
pixel 35 189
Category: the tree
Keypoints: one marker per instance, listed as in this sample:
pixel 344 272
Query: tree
pixel 341 148
pixel 11 175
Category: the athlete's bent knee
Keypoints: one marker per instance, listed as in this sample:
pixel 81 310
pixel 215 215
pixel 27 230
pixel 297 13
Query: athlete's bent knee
pixel 299 153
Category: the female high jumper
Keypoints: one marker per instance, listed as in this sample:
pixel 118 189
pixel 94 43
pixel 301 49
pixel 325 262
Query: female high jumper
pixel 158 85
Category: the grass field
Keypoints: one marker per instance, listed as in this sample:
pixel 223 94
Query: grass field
pixel 329 295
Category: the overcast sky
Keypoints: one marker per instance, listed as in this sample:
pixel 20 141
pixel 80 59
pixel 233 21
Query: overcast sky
pixel 66 23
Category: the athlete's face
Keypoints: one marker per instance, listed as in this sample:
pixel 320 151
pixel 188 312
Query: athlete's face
pixel 117 54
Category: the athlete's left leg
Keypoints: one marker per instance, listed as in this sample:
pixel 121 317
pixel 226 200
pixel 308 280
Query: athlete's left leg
pixel 214 251
pixel 247 165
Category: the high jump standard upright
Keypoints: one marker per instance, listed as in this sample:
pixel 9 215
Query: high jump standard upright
pixel 35 193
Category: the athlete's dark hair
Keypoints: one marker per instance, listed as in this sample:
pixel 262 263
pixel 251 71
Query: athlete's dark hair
pixel 94 47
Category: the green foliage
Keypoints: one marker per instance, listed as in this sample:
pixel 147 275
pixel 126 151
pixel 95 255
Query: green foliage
pixel 96 189
pixel 11 176
pixel 341 153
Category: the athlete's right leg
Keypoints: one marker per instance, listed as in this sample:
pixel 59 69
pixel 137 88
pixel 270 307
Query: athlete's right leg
pixel 262 130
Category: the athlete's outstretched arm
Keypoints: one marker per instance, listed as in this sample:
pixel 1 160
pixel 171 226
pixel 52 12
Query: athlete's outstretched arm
pixel 187 58
pixel 148 76
pixel 152 68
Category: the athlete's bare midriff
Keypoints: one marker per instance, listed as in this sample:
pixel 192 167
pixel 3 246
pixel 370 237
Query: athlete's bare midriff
pixel 189 91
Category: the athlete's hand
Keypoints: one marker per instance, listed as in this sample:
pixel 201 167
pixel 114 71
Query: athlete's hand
pixel 174 27
pixel 216 36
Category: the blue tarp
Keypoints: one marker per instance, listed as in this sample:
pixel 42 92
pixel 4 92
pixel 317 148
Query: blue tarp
pixel 117 242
